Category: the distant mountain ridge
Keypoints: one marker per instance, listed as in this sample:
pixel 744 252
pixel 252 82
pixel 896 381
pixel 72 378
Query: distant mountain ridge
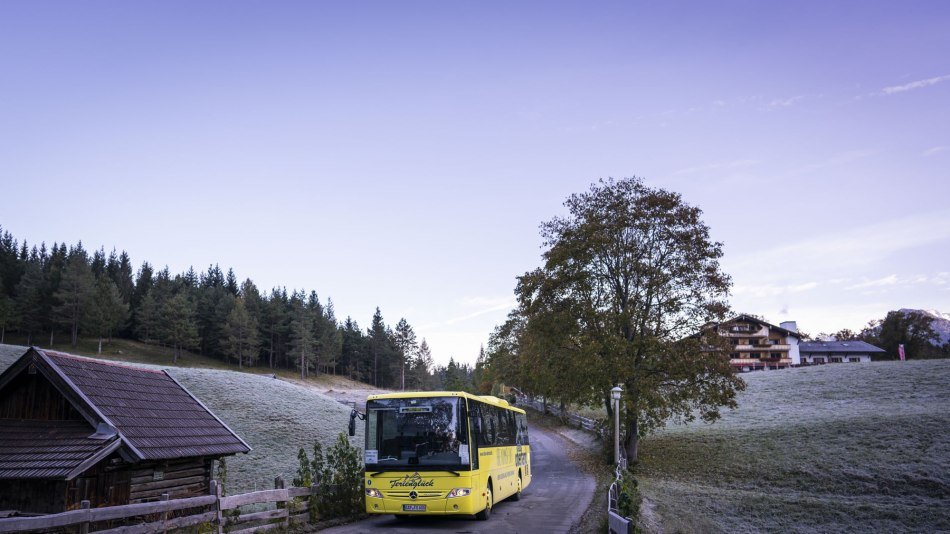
pixel 941 323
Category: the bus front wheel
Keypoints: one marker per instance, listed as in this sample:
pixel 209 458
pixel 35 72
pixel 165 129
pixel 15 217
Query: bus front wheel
pixel 486 513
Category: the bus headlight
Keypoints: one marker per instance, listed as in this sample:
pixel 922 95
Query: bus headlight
pixel 373 492
pixel 459 492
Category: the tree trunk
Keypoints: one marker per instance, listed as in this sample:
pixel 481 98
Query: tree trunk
pixel 633 439
pixel 609 403
pixel 75 334
pixel 302 368
pixel 177 350
pixel 100 346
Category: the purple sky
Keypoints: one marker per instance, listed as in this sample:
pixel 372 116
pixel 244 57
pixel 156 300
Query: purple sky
pixel 402 154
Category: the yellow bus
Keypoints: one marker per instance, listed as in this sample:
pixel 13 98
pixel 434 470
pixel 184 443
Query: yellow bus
pixel 443 452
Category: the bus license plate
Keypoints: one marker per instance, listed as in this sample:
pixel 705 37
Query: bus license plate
pixel 413 508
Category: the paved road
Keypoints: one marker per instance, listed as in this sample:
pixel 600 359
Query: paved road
pixel 559 493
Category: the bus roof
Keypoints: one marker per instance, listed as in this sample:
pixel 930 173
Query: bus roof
pixel 488 399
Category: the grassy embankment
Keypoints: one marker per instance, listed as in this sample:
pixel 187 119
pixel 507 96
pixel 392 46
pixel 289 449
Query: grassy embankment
pixel 834 448
pixel 274 416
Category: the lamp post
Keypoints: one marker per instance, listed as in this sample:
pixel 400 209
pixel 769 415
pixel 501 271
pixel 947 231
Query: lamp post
pixel 615 395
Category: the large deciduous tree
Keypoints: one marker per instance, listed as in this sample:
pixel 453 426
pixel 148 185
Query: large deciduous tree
pixel 630 277
pixel 913 329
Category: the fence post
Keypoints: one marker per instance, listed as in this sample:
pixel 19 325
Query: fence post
pixel 216 491
pixel 84 526
pixel 164 498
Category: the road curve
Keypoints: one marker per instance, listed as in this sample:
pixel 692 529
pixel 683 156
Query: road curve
pixel 559 493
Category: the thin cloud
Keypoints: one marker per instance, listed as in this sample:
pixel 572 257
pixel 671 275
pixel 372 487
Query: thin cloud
pixel 889 280
pixel 850 248
pixel 719 166
pixel 935 150
pixel 894 89
pixel 771 290
pixel 488 305
pixel 838 159
pixel 784 102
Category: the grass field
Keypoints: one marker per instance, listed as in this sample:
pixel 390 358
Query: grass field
pixel 274 416
pixel 834 448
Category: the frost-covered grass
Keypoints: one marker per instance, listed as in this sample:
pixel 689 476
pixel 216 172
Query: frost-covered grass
pixel 844 447
pixel 275 417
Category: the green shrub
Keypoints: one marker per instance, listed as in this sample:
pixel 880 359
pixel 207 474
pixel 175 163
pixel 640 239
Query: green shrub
pixel 628 496
pixel 339 475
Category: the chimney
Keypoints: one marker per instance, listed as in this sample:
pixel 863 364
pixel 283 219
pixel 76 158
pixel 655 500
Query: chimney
pixel 791 326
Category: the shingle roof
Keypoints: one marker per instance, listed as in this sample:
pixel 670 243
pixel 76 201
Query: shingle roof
pixel 47 449
pixel 152 412
pixel 142 413
pixel 826 347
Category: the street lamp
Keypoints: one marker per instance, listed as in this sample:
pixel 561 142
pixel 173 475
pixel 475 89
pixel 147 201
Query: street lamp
pixel 615 395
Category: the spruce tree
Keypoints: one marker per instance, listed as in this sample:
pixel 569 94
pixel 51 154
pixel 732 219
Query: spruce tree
pixel 7 311
pixel 178 324
pixel 242 342
pixel 74 297
pixel 29 301
pixel 301 334
pixel 405 340
pixel 109 312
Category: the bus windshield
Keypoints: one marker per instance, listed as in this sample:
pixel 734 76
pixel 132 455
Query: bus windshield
pixel 416 432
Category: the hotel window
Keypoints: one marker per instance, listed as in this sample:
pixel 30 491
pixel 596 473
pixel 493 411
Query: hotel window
pixel 835 359
pixel 755 355
pixel 854 360
pixel 775 355
pixel 734 355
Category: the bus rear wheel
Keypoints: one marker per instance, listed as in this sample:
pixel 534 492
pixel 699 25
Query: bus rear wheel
pixel 486 513
pixel 517 495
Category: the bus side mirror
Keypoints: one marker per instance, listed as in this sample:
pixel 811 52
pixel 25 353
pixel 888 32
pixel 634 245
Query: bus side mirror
pixel 353 423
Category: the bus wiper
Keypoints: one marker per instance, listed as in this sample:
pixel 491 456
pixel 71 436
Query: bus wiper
pixel 456 473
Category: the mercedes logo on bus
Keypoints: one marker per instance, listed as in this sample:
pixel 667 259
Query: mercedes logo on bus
pixel 413 495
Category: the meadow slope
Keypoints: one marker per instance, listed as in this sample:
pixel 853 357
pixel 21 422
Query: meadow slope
pixel 834 448
pixel 273 416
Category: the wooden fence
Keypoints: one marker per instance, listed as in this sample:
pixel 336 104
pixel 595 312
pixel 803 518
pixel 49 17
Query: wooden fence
pixel 222 514
pixel 583 422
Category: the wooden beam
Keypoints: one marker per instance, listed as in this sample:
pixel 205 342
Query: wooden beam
pixel 163 484
pixel 280 513
pixel 251 530
pixel 160 526
pixel 228 503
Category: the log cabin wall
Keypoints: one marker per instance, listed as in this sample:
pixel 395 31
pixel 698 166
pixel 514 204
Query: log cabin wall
pixel 189 477
pixel 33 496
pixel 105 484
pixel 32 396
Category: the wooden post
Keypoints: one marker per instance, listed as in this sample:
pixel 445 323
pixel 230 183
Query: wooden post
pixel 279 484
pixel 164 498
pixel 84 526
pixel 216 491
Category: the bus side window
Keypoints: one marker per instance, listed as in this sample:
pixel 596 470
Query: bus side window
pixel 522 423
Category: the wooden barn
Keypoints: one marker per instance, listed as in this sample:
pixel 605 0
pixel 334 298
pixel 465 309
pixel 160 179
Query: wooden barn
pixel 74 429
